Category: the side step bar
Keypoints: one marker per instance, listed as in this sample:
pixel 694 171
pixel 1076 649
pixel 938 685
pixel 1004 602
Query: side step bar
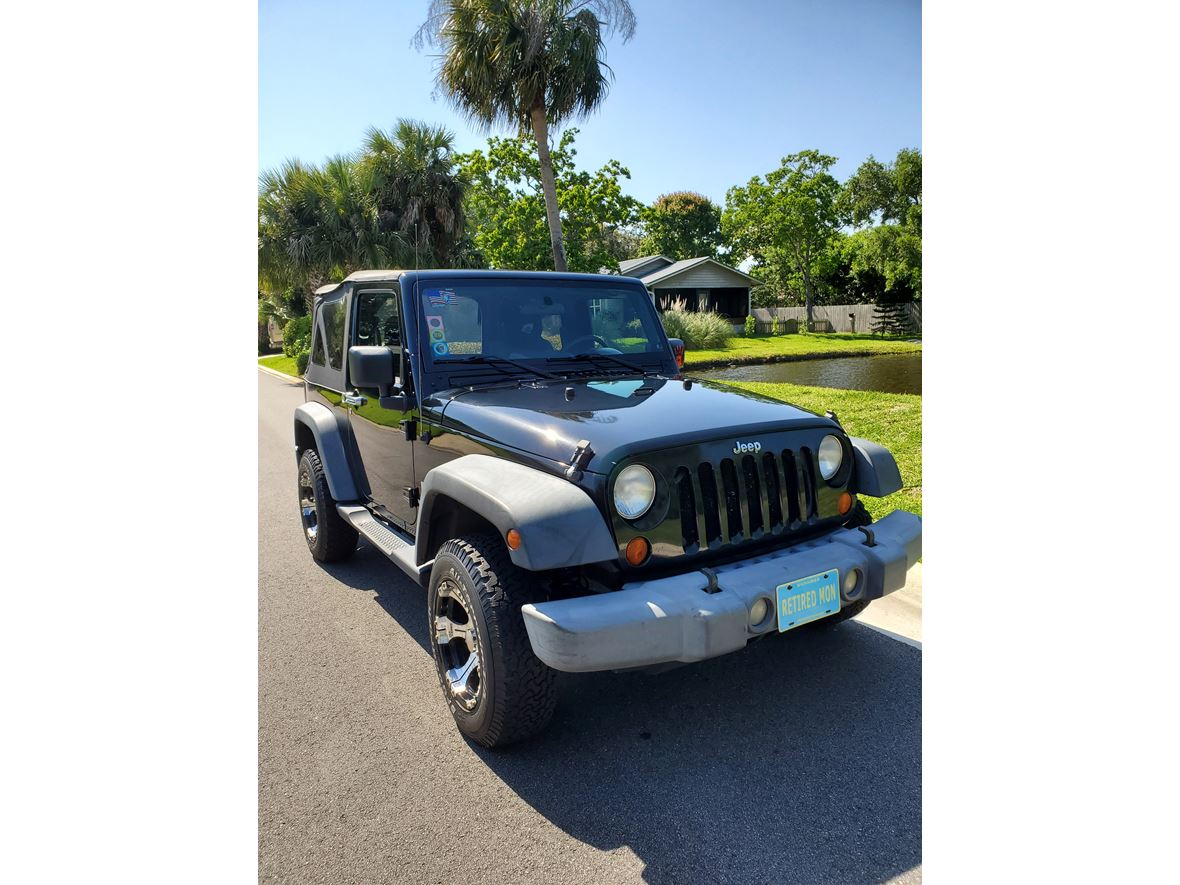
pixel 398 546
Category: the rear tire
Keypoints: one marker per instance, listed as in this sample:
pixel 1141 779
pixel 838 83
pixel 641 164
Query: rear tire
pixel 329 537
pixel 497 690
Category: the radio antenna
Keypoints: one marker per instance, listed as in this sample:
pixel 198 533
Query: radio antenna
pixel 415 247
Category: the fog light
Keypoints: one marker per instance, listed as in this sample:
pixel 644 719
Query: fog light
pixel 758 611
pixel 851 582
pixel 638 549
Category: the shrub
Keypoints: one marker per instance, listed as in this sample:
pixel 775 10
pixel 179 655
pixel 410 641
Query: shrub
pixel 301 359
pixel 700 331
pixel 751 327
pixel 296 336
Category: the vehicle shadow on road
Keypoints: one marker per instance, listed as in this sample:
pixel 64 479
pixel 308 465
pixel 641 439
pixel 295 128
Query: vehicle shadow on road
pixel 797 759
pixel 403 600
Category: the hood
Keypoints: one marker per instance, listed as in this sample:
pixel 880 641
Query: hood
pixel 618 417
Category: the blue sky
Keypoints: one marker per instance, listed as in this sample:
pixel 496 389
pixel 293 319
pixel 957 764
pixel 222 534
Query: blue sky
pixel 707 94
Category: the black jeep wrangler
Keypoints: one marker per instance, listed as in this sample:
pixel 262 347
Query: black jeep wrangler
pixel 526 447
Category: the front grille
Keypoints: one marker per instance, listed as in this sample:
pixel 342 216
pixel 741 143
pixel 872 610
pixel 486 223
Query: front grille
pixel 743 498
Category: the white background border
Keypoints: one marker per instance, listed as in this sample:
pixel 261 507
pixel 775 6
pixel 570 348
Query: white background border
pixel 130 561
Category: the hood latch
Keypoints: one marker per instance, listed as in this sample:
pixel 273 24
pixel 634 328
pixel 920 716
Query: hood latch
pixel 578 460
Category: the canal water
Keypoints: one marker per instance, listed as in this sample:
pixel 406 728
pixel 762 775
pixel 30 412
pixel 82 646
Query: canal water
pixel 889 373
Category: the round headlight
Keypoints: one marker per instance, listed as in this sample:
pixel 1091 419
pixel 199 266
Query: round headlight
pixel 635 489
pixel 831 456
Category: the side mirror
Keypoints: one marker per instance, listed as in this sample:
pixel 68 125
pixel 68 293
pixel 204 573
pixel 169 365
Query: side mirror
pixel 370 366
pixel 677 351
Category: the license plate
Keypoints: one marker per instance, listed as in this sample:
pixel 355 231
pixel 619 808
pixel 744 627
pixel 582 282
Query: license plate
pixel 808 599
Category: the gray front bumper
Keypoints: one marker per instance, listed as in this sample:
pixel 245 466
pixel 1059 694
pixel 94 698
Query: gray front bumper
pixel 674 619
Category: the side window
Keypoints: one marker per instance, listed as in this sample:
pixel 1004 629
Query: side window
pixel 334 330
pixel 377 320
pixel 317 346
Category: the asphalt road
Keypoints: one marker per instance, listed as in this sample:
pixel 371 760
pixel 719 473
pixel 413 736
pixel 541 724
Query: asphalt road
pixel 795 760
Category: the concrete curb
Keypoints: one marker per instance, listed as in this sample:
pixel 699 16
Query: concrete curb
pixel 277 374
pixel 899 615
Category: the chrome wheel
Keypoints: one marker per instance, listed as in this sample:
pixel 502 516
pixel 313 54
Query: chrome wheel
pixel 458 646
pixel 307 508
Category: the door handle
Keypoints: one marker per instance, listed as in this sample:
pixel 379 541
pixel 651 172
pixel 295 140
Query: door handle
pixel 350 399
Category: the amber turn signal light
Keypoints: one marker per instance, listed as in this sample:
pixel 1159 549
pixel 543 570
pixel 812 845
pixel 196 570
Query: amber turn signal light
pixel 638 550
pixel 845 503
pixel 513 539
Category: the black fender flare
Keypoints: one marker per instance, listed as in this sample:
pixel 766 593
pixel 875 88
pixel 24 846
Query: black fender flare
pixel 559 525
pixel 876 470
pixel 329 443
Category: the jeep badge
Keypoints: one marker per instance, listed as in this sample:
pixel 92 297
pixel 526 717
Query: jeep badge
pixel 741 447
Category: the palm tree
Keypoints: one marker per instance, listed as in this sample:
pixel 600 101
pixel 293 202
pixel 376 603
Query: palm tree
pixel 528 63
pixel 318 224
pixel 416 186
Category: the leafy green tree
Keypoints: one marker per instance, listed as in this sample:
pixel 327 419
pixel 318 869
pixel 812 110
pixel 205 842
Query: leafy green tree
pixel 532 64
pixel 890 254
pixel 787 221
pixel 886 201
pixel 879 193
pixel 682 225
pixel 417 190
pixel 506 206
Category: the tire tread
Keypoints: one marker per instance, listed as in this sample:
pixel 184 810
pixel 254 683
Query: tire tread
pixel 526 688
pixel 336 539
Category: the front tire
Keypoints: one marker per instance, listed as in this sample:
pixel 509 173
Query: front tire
pixel 497 690
pixel 328 536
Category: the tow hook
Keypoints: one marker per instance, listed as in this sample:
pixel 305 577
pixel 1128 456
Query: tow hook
pixel 711 587
pixel 870 541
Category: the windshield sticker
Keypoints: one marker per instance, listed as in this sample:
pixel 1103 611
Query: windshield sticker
pixel 438 334
pixel 440 297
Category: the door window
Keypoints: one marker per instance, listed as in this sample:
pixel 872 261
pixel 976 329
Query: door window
pixel 377 322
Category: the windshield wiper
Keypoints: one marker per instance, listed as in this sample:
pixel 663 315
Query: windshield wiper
pixel 491 360
pixel 631 367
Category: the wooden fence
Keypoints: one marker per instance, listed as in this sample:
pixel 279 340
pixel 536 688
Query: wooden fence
pixel 841 317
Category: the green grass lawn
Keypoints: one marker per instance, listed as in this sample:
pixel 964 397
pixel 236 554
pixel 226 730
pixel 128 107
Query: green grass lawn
pixel 280 363
pixel 756 350
pixel 892 419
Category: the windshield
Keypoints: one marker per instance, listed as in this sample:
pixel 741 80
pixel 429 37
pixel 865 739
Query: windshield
pixel 527 320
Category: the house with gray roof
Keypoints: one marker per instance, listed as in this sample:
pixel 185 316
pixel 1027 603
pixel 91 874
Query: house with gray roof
pixel 701 283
